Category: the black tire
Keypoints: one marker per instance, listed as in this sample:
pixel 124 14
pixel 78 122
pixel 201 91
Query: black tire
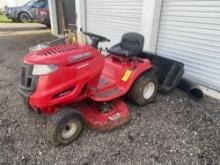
pixel 136 93
pixel 24 17
pixel 60 122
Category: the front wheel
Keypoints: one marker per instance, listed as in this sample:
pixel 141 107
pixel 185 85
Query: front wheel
pixel 64 127
pixel 24 17
pixel 144 89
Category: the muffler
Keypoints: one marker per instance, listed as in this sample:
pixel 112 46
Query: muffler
pixel 193 90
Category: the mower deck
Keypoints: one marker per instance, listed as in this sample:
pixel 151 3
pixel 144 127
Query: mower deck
pixel 115 114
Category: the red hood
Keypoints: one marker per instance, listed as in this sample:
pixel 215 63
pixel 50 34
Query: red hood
pixel 60 55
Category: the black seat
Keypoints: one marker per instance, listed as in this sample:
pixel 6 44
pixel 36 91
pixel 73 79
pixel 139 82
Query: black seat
pixel 131 45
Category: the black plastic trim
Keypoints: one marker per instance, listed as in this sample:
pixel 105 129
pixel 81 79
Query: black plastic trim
pixel 169 71
pixel 192 89
pixel 28 81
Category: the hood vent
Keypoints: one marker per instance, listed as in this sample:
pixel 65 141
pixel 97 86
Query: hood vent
pixel 58 49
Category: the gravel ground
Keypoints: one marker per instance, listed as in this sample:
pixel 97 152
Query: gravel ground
pixel 174 130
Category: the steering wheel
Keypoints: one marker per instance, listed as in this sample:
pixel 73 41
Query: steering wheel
pixel 97 37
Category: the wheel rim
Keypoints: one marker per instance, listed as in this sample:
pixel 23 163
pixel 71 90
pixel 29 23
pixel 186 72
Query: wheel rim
pixel 149 90
pixel 25 18
pixel 69 130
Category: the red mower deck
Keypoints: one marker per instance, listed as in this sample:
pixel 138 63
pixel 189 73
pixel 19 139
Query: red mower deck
pixel 117 115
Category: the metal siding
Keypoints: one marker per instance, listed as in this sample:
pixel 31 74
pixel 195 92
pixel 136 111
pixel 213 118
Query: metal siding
pixel 113 18
pixel 189 31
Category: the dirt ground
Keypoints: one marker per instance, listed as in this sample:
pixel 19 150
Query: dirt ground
pixel 174 130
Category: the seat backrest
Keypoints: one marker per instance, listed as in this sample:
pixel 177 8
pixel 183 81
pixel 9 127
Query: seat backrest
pixel 133 42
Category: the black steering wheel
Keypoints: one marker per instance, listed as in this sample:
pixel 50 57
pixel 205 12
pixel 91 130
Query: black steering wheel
pixel 95 38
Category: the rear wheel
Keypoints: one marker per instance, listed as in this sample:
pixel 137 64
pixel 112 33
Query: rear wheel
pixel 24 17
pixel 144 89
pixel 64 127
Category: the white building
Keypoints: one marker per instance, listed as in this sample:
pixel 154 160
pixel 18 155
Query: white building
pixel 184 30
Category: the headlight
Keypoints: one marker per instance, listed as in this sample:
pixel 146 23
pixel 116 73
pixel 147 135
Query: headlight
pixel 39 69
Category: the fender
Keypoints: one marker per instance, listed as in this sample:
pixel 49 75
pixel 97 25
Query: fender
pixel 24 11
pixel 119 78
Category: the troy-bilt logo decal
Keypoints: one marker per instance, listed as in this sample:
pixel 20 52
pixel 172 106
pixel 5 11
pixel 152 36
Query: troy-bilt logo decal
pixel 80 57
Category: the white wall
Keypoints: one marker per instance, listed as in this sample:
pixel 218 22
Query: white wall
pixel 80 14
pixel 150 23
pixel 53 17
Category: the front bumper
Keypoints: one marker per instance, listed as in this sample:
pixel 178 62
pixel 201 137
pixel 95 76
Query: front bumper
pixel 11 15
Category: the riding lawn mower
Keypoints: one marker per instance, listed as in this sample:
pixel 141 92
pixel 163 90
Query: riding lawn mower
pixel 96 86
